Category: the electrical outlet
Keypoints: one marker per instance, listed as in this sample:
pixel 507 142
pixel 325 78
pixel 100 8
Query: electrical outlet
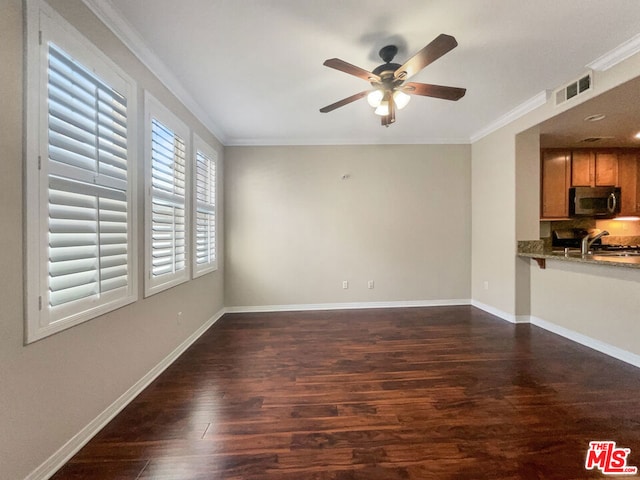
pixel 486 285
pixel 370 284
pixel 345 284
pixel 179 318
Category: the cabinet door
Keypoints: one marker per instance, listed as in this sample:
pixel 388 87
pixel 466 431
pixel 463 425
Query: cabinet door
pixel 629 174
pixel 606 168
pixel 555 183
pixel 581 168
pixel 637 189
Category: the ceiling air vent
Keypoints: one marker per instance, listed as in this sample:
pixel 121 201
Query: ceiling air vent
pixel 595 139
pixel 573 89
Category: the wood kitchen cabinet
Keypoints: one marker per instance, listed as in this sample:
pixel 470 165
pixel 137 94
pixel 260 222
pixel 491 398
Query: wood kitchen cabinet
pixel 594 168
pixel 629 179
pixel 555 177
pixel 565 168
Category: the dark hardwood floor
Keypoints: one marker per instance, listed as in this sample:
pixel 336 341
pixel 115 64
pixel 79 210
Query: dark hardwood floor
pixel 418 393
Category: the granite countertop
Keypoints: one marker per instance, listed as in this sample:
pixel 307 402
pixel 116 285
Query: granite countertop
pixel 538 249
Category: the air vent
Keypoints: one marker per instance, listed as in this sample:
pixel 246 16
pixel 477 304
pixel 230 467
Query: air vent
pixel 573 89
pixel 595 139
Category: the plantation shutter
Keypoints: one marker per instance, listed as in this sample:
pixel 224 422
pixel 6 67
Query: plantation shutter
pixel 205 224
pixel 168 216
pixel 88 237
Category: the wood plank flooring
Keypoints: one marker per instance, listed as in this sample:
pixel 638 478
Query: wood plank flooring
pixel 419 393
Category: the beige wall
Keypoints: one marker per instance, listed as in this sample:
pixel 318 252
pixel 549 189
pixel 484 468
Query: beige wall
pixel 405 218
pixel 589 299
pixel 295 229
pixel 527 211
pixel 493 221
pixel 51 389
pixel 600 302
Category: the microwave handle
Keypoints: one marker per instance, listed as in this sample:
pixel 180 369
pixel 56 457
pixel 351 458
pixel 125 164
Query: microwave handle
pixel 612 202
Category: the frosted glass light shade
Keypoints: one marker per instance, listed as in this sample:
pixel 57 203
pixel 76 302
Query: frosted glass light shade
pixel 383 109
pixel 401 99
pixel 375 97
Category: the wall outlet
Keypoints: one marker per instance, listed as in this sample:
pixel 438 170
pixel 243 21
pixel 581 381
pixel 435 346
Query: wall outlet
pixel 485 285
pixel 179 318
pixel 370 284
pixel 345 284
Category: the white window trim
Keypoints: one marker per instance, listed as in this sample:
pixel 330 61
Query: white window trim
pixel 44 24
pixel 200 145
pixel 155 109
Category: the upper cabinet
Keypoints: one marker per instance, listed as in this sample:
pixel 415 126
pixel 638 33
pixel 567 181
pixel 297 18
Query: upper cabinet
pixel 594 168
pixel 565 168
pixel 555 176
pixel 629 175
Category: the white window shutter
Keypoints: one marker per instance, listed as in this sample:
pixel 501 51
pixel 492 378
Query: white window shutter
pixel 79 186
pixel 168 198
pixel 167 209
pixel 205 246
pixel 88 219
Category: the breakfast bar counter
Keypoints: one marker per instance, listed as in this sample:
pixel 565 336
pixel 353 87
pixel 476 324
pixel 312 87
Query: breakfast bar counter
pixel 535 249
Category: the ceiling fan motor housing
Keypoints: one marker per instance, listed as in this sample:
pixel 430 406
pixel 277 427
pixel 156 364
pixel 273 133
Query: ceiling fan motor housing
pixel 386 67
pixel 387 53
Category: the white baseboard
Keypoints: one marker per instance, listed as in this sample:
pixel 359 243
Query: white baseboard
pixel 607 349
pixel 347 306
pixel 602 347
pixel 80 439
pixel 509 317
pixel 523 318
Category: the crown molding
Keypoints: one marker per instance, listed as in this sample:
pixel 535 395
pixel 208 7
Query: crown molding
pixel 617 55
pixel 108 14
pixel 290 142
pixel 511 116
pixel 602 63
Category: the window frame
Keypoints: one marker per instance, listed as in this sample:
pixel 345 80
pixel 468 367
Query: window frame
pixel 200 146
pixel 44 25
pixel 154 109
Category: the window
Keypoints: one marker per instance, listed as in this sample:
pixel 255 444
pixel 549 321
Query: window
pixel 79 182
pixel 166 207
pixel 205 258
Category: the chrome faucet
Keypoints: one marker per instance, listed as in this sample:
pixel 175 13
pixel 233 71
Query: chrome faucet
pixel 587 241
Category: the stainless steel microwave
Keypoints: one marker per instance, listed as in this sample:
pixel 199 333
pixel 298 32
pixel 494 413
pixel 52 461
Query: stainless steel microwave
pixel 601 202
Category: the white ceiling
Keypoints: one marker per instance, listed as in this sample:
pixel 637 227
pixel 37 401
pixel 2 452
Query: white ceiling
pixel 252 69
pixel 620 107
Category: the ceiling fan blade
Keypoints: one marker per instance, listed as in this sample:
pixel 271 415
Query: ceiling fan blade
pixel 438 47
pixel 351 69
pixel 437 91
pixel 343 102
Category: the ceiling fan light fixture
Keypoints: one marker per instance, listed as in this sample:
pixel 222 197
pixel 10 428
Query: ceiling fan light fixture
pixel 383 108
pixel 401 99
pixel 390 92
pixel 374 97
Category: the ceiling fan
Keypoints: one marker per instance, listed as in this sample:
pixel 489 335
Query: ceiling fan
pixel 390 92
